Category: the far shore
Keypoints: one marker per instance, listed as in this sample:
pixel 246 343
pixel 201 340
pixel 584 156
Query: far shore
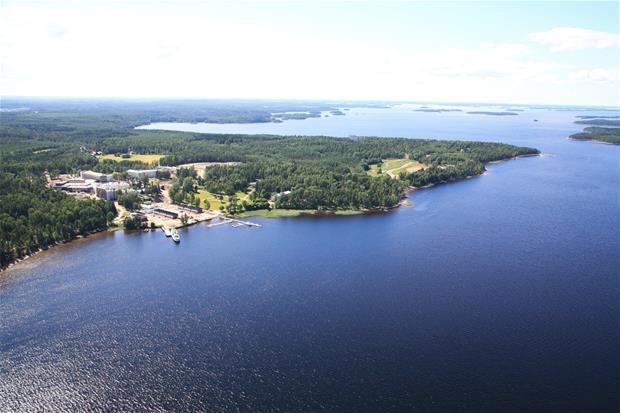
pixel 593 141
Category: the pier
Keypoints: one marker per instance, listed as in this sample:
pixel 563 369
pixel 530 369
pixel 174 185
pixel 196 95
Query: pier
pixel 235 223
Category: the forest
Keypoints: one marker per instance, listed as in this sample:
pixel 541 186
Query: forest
pixel 607 135
pixel 316 173
pixel 33 216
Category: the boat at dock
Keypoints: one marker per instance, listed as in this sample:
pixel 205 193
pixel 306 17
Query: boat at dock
pixel 175 236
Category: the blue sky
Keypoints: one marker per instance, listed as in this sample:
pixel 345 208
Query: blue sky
pixel 516 52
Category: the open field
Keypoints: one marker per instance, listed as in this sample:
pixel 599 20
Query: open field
pixel 393 167
pixel 137 157
pixel 214 202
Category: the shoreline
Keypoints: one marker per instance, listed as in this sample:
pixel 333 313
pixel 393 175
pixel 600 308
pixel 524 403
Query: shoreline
pixel 52 246
pixel 593 141
pixel 285 213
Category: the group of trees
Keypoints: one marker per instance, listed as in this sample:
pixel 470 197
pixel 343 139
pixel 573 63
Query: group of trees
pixel 129 200
pixel 184 189
pixel 33 216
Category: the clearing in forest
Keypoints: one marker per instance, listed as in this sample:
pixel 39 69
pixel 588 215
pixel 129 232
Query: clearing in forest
pixel 393 167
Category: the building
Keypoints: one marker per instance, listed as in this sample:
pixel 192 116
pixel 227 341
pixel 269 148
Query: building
pixel 142 173
pixel 165 213
pixel 74 185
pixel 77 187
pixel 110 190
pixel 190 208
pixel 99 177
pixel 109 194
pixel 279 195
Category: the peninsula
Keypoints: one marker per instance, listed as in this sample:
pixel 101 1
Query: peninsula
pixel 68 171
pixel 598 134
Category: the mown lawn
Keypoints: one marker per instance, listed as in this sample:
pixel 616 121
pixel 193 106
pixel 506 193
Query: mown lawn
pixel 214 202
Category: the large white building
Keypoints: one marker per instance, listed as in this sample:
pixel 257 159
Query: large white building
pixel 142 173
pixel 99 177
pixel 109 191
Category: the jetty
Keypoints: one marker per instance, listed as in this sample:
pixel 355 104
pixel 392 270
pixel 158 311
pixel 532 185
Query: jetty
pixel 240 223
pixel 235 223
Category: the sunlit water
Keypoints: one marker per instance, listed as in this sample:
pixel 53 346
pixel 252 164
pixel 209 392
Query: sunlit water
pixel 498 293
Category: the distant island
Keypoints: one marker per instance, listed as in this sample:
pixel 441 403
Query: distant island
pixel 598 134
pixel 492 113
pixel 598 121
pixel 597 117
pixel 279 117
pixel 71 169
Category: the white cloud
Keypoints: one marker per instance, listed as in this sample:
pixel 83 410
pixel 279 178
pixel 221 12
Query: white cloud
pixel 172 53
pixel 570 38
pixel 595 75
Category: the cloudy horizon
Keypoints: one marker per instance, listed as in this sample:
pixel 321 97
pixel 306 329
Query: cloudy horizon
pixel 543 53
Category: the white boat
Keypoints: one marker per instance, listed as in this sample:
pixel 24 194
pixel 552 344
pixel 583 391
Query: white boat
pixel 175 235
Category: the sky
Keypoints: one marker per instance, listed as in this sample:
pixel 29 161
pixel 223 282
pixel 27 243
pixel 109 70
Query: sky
pixel 557 52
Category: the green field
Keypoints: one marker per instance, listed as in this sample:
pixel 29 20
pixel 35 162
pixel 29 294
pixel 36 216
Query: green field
pixel 214 202
pixel 136 157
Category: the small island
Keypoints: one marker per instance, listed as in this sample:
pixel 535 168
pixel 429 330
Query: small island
pixel 597 117
pixel 599 122
pixel 279 117
pixel 598 134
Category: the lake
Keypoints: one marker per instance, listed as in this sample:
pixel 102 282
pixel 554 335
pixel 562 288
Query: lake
pixel 497 293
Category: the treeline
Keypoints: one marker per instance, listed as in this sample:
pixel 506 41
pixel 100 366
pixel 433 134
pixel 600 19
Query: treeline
pixel 607 135
pixel 33 216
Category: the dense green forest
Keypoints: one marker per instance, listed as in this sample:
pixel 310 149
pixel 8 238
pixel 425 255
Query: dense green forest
pixel 33 216
pixel 607 135
pixel 320 173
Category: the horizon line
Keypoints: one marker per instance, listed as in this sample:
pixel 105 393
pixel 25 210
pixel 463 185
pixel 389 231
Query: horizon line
pixel 340 100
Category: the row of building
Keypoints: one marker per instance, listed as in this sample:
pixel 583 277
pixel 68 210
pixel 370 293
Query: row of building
pixel 102 185
pixel 102 189
pixel 133 173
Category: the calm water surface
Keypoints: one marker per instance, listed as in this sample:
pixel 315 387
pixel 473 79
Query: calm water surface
pixel 499 293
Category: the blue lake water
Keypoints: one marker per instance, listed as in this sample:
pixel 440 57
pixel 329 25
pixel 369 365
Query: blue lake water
pixel 498 293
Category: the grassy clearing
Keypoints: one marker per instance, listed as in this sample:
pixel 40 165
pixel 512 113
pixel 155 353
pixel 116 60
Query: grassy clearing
pixel 214 202
pixel 136 157
pixel 241 196
pixel 394 167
